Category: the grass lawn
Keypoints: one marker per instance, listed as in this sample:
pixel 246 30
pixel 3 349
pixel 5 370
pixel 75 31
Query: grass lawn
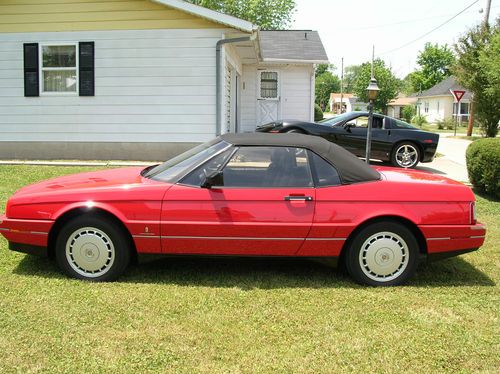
pixel 247 315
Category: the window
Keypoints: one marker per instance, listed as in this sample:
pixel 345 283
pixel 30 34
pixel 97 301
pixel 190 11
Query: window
pixel 362 121
pixel 464 108
pixel 401 124
pixel 327 175
pixel 426 107
pixel 258 167
pixel 59 68
pixel 269 85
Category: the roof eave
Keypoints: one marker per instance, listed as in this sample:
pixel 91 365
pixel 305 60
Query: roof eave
pixel 210 15
pixel 292 61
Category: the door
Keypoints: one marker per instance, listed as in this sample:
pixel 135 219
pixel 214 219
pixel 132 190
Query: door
pixel 263 205
pixel 353 137
pixel 268 100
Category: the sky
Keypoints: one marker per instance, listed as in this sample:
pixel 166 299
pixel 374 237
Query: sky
pixel 350 28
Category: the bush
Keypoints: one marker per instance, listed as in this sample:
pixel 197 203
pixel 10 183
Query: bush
pixel 483 165
pixel 408 112
pixel 419 120
pixel 318 113
pixel 447 124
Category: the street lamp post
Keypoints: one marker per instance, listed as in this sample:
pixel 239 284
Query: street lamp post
pixel 372 90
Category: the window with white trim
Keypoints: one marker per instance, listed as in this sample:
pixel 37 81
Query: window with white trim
pixel 268 85
pixel 426 107
pixel 59 68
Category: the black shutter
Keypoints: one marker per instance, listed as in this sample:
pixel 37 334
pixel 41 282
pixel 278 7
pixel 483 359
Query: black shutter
pixel 86 68
pixel 31 82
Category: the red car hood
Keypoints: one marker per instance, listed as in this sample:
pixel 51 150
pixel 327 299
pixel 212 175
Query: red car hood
pixel 103 179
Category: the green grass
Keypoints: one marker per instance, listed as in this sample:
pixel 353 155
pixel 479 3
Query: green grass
pixel 247 315
pixel 461 130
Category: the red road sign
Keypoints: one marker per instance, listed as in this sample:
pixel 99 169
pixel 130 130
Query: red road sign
pixel 458 95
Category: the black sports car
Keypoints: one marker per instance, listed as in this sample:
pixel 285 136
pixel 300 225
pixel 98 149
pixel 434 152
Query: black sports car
pixel 393 140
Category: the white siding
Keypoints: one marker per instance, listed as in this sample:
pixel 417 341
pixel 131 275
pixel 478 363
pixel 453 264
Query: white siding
pixel 151 85
pixel 295 93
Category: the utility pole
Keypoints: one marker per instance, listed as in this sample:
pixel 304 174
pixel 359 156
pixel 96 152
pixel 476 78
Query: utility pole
pixel 487 12
pixel 342 86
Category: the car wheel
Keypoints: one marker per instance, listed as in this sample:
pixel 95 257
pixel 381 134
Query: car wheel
pixel 92 248
pixel 295 131
pixel 382 254
pixel 405 155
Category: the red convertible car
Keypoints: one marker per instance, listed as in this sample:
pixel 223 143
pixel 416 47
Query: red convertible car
pixel 248 195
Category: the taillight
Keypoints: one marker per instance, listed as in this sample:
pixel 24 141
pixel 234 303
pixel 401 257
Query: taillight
pixel 473 218
pixel 427 141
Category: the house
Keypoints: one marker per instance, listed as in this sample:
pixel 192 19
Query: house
pixel 345 103
pixel 143 79
pixel 395 106
pixel 438 103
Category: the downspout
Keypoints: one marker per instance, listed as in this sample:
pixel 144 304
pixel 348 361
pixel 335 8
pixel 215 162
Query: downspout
pixel 218 83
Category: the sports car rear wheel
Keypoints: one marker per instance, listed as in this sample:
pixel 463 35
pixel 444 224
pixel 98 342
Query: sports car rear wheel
pixel 92 248
pixel 405 155
pixel 383 254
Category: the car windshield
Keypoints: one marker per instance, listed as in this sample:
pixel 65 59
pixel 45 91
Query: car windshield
pixel 337 119
pixel 172 169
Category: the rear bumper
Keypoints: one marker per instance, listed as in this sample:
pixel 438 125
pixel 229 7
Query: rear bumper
pixel 429 152
pixel 443 239
pixel 25 231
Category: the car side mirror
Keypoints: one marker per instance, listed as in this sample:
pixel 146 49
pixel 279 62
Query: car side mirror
pixel 347 126
pixel 213 179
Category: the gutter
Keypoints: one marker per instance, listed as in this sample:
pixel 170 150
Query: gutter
pixel 218 83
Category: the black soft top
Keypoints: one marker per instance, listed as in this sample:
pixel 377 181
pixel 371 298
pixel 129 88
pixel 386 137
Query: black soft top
pixel 350 168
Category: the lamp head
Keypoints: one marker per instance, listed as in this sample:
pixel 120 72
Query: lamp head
pixel 372 89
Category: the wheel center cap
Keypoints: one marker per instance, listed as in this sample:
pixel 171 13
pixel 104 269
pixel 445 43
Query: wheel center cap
pixel 90 252
pixel 384 256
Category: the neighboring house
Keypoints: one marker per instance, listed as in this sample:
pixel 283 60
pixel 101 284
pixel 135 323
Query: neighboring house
pixel 395 107
pixel 118 79
pixel 438 103
pixel 345 103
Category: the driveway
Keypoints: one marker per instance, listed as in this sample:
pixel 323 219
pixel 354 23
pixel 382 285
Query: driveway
pixel 452 164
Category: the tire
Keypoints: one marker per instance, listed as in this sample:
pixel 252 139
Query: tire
pixel 405 155
pixel 93 248
pixel 382 254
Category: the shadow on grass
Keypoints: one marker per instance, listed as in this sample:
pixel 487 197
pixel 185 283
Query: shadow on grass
pixel 484 195
pixel 264 273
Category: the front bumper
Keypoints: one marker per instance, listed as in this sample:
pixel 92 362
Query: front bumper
pixel 26 231
pixel 443 239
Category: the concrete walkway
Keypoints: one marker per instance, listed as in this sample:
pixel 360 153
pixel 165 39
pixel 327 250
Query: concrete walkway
pixel 452 164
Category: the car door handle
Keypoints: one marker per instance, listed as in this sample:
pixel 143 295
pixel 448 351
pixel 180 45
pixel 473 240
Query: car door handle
pixel 298 198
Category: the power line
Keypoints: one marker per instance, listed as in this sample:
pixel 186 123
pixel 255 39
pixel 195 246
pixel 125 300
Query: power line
pixel 429 32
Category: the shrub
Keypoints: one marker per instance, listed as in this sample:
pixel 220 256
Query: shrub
pixel 408 112
pixel 483 165
pixel 318 113
pixel 419 120
pixel 447 124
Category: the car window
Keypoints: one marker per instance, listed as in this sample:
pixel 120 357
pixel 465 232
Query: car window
pixel 401 124
pixel 268 167
pixel 362 121
pixel 198 175
pixel 326 173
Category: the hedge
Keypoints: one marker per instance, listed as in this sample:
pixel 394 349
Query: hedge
pixel 483 165
pixel 318 113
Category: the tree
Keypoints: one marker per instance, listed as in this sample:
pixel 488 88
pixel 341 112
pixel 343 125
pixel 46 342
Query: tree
pixel 435 62
pixel 389 85
pixel 323 68
pixel 478 69
pixel 268 14
pixel 350 74
pixel 326 83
